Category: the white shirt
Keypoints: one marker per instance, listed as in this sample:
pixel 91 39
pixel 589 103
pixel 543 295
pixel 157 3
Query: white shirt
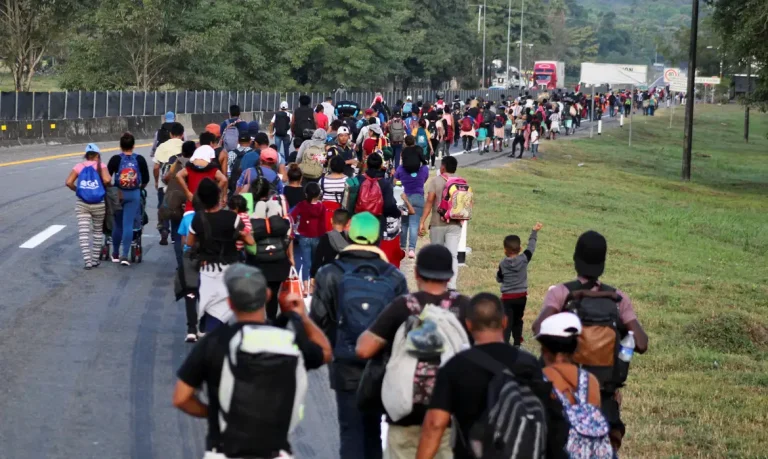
pixel 534 137
pixel 330 111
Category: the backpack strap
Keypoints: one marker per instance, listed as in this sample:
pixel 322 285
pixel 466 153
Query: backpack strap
pixel 413 304
pixel 448 302
pixel 485 361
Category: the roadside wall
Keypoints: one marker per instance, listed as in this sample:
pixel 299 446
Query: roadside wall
pixel 73 131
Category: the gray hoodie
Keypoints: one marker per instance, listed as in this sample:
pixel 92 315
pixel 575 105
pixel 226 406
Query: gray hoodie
pixel 318 139
pixel 513 271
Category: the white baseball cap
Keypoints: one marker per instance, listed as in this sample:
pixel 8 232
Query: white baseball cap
pixel 563 325
pixel 283 105
pixel 343 130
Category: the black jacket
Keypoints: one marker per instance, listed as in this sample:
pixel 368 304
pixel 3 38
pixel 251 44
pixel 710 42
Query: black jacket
pixel 329 246
pixel 344 376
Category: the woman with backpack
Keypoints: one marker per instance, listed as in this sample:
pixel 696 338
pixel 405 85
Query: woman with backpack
pixel 131 176
pixel 413 175
pixel 273 251
pixel 92 179
pixel 423 139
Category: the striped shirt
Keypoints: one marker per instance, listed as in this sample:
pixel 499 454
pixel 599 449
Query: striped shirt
pixel 333 188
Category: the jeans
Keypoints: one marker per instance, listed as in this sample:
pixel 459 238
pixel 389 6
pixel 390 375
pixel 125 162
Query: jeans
pixel 410 223
pixel 165 224
pixel 397 148
pixel 125 222
pixel 448 236
pixel 307 246
pixel 360 432
pixel 283 143
pixel 534 149
pixel 612 111
pixel 298 257
pixel 514 310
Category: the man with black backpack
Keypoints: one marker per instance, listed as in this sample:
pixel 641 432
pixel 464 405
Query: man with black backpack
pixel 255 393
pixel 497 395
pixel 350 293
pixel 163 134
pixel 235 160
pixel 303 124
pixel 396 129
pixel 605 312
pixel 280 130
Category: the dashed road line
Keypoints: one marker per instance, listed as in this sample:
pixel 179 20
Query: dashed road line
pixel 42 236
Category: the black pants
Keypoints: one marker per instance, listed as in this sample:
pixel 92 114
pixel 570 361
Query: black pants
pixel 435 144
pixel 514 310
pixel 272 304
pixel 467 142
pixel 519 139
pixel 190 307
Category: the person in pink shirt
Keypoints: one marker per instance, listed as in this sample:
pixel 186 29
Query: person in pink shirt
pixel 589 262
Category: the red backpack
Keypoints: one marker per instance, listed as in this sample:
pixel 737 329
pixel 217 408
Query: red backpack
pixel 370 198
pixel 467 124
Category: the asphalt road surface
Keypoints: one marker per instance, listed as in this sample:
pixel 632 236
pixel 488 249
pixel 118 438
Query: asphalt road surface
pixel 88 359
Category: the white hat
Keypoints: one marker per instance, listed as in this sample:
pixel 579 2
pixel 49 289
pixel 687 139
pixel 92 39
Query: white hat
pixel 563 325
pixel 283 105
pixel 409 98
pixel 343 130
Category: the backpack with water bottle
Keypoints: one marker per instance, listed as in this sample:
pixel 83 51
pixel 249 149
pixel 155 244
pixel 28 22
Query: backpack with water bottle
pixel 602 331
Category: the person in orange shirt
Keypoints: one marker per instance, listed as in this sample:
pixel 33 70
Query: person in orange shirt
pixel 558 337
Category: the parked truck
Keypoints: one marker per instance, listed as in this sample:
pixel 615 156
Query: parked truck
pixel 549 75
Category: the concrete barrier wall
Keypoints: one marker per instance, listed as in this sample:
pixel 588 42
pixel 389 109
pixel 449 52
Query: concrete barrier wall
pixel 62 132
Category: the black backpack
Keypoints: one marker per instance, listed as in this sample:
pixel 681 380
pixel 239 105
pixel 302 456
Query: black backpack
pixel 235 171
pixel 514 423
pixel 282 124
pixel 432 128
pixel 602 330
pixel 304 125
pixel 164 133
pixel 271 236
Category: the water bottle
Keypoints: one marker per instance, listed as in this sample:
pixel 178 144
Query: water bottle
pixel 627 347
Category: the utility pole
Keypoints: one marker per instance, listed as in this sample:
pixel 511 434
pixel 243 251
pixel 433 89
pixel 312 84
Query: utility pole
pixel 520 69
pixel 746 105
pixel 485 30
pixel 690 92
pixel 509 33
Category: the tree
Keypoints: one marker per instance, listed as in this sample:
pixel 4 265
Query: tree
pixel 27 30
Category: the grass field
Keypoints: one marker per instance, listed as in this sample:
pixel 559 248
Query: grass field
pixel 693 257
pixel 40 83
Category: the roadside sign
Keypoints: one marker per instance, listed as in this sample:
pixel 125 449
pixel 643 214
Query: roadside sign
pixel 707 80
pixel 678 84
pixel 670 73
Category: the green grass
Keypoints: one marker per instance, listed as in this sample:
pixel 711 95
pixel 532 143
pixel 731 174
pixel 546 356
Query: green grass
pixel 40 83
pixel 693 257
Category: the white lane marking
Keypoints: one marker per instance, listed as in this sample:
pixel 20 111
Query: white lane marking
pixel 41 237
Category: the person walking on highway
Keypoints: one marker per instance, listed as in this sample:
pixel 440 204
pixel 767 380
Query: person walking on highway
pixel 165 154
pixel 255 393
pixel 280 130
pixel 90 209
pixel 131 176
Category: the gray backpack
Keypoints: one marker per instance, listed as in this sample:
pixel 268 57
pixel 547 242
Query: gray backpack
pixel 231 136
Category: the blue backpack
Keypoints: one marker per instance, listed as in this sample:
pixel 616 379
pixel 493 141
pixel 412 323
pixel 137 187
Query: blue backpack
pixel 90 188
pixel 408 107
pixel 363 293
pixel 421 139
pixel 128 173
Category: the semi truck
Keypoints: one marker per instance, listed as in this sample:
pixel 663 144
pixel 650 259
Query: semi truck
pixel 549 75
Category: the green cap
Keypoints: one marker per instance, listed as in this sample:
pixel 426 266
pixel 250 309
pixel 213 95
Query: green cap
pixel 365 229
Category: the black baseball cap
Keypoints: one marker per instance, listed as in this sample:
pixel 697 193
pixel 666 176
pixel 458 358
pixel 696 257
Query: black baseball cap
pixel 590 253
pixel 244 136
pixel 435 262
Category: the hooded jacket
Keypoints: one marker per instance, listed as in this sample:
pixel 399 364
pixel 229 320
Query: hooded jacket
pixel 318 140
pixel 323 310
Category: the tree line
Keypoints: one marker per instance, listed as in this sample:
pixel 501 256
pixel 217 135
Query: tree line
pixel 322 45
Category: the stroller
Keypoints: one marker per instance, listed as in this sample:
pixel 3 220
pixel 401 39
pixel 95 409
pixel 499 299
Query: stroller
pixel 112 201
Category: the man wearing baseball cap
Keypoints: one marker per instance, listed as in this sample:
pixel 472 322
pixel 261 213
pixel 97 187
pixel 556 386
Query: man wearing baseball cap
pixel 163 134
pixel 280 129
pixel 343 147
pixel 589 263
pixel 296 345
pixel 362 281
pixel 267 167
pixel 433 272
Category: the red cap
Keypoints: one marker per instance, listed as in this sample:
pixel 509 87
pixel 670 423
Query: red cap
pixel 214 129
pixel 268 156
pixel 369 111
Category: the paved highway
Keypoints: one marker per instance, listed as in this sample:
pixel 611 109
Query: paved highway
pixel 88 359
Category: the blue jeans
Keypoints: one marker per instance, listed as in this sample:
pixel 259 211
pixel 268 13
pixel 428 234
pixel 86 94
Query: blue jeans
pixel 166 224
pixel 360 432
pixel 307 247
pixel 409 234
pixel 396 150
pixel 126 221
pixel 283 143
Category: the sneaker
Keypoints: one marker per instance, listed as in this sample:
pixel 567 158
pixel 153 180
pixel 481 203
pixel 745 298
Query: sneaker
pixel 191 338
pixel 124 261
pixel 88 266
pixel 115 258
pixel 411 254
pixel 200 335
pixel 164 237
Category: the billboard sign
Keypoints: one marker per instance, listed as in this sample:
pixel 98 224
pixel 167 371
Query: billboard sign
pixel 598 74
